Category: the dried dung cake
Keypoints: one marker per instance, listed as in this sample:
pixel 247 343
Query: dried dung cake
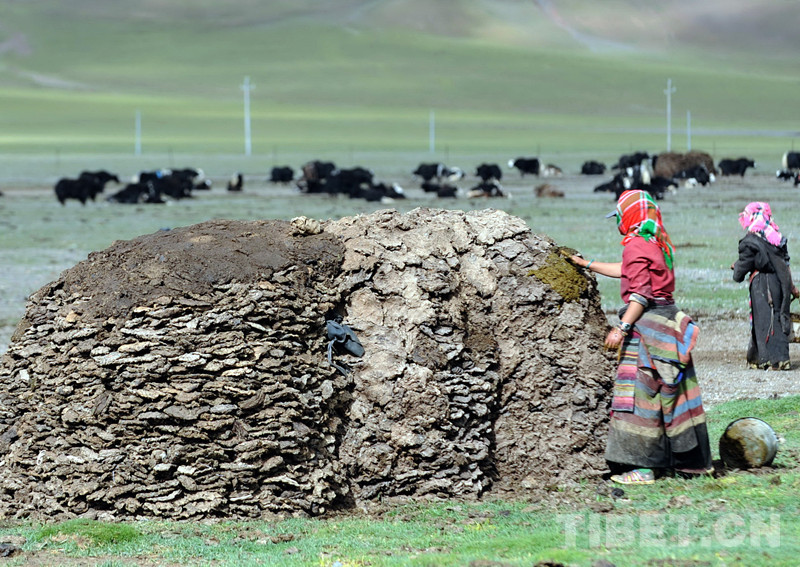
pixel 184 374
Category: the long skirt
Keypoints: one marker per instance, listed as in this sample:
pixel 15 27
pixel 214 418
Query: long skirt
pixel 665 427
pixel 769 345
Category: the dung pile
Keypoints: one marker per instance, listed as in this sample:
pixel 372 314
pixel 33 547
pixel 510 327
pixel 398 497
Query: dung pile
pixel 184 374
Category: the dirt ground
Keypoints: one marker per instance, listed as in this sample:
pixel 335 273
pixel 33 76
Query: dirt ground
pixel 721 368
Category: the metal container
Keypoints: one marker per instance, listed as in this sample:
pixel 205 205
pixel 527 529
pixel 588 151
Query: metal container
pixel 748 442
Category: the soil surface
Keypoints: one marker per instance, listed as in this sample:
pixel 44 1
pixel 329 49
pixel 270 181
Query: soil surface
pixel 720 363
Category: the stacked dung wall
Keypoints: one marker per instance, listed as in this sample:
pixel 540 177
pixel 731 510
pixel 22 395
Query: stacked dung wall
pixel 184 374
pixel 485 365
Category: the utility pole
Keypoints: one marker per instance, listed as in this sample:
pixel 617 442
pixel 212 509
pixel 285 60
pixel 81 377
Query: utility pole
pixel 432 132
pixel 137 148
pixel 248 146
pixel 668 92
pixel 689 130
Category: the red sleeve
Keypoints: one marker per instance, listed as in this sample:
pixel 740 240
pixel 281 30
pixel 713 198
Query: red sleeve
pixel 636 271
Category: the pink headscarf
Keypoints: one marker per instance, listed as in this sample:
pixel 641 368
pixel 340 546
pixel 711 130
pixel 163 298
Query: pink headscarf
pixel 757 218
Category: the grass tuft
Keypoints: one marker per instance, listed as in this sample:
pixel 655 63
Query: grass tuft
pixel 88 533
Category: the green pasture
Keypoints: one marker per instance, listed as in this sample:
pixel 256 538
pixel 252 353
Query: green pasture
pixel 342 84
pixel 738 519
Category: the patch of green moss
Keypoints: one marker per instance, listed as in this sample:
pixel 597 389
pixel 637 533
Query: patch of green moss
pixel 563 276
pixel 99 533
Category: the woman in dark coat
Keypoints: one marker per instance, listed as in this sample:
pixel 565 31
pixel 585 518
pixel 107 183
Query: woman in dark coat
pixel 764 255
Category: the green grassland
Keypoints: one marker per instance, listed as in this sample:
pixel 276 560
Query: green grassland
pixel 342 79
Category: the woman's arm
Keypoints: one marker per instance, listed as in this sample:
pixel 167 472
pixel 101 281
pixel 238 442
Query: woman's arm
pixel 746 262
pixel 795 291
pixel 617 334
pixel 610 269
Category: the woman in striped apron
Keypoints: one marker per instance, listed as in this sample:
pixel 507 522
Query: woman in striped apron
pixel 658 424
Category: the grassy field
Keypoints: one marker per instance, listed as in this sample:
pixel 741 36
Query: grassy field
pixel 346 79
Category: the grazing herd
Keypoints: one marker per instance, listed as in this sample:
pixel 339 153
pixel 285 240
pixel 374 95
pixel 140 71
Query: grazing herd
pixel 86 186
pixel 155 186
pixel 146 187
pixel 355 182
pixel 658 174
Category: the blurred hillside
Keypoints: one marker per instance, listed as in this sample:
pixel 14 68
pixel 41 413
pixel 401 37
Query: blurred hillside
pixel 724 28
pixel 566 65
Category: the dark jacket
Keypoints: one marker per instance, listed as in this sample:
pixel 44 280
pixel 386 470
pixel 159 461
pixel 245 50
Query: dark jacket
pixel 758 255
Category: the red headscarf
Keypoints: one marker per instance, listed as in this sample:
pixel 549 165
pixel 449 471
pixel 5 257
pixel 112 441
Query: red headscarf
pixel 638 215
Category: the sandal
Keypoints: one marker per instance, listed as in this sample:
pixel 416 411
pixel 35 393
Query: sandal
pixel 636 476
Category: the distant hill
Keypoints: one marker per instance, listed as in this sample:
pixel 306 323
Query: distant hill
pixel 722 27
pixel 371 70
pixel 86 43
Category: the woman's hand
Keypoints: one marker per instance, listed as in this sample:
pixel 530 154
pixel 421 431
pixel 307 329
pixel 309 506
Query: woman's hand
pixel 795 292
pixel 614 339
pixel 578 260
